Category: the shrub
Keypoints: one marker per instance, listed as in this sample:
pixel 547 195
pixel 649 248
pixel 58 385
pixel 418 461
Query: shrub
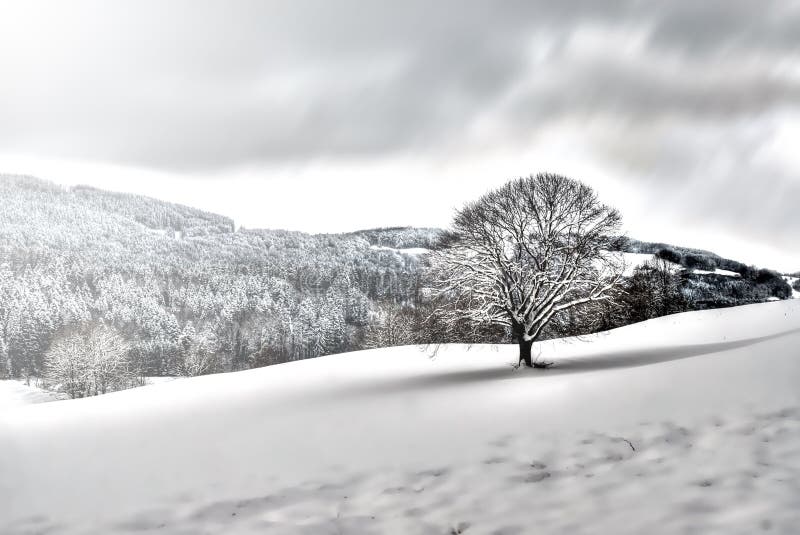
pixel 670 255
pixel 696 261
pixel 773 284
pixel 88 362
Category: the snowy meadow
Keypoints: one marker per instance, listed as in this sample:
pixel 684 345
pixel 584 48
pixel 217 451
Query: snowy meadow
pixel 689 422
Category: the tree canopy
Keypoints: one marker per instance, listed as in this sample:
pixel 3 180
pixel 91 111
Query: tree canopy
pixel 521 254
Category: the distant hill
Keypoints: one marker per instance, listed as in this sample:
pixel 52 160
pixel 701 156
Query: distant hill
pixel 714 281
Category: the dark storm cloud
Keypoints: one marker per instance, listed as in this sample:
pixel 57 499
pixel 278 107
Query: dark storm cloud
pixel 729 26
pixel 213 84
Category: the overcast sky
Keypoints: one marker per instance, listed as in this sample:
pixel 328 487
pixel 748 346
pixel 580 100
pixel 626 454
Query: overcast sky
pixel 337 115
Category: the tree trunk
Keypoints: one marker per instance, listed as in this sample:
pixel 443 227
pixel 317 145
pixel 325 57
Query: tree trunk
pixel 5 356
pixel 525 355
pixel 525 352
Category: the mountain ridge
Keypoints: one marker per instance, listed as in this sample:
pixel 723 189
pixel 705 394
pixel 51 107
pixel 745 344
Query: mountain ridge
pixel 404 236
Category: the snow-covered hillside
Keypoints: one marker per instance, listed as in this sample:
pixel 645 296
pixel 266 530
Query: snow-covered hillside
pixel 14 393
pixel 684 424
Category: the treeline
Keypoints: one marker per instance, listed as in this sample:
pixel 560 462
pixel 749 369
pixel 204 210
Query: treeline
pixel 675 280
pixel 652 291
pixel 400 237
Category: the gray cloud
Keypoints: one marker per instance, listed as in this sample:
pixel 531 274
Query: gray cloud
pixel 214 84
pixel 721 26
pixel 661 92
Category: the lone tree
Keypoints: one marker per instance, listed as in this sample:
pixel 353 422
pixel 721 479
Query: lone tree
pixel 522 254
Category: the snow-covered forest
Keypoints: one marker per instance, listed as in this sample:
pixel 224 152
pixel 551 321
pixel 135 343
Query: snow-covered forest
pixel 160 289
pixel 177 283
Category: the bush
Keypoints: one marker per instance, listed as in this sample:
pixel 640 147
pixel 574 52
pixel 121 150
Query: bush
pixel 670 255
pixel 653 291
pixel 88 362
pixel 773 284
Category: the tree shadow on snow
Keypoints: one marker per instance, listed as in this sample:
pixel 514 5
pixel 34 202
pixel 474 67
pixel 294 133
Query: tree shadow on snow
pixel 642 357
pixel 628 358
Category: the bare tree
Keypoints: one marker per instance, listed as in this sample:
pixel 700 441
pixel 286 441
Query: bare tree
pixel 392 325
pixel 526 252
pixel 67 366
pixel 198 351
pixel 88 362
pixel 107 355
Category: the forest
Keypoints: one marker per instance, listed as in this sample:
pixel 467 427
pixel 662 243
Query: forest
pixel 99 290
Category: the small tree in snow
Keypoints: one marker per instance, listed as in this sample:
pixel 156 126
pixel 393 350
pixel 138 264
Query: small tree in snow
pixel 88 362
pixel 198 351
pixel 67 367
pixel 392 325
pixel 108 358
pixel 524 253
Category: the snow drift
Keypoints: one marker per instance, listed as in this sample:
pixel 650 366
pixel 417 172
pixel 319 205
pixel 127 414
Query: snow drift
pixel 689 421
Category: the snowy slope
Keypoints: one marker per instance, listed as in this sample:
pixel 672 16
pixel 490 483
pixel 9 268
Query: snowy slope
pixel 14 393
pixel 687 423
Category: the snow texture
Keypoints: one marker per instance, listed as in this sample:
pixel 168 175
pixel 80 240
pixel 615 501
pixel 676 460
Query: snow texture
pixel 413 251
pixel 723 272
pixel 14 393
pixel 683 424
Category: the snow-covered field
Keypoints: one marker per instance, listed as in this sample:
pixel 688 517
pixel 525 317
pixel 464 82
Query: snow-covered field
pixel 14 393
pixel 413 251
pixel 717 271
pixel 684 424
